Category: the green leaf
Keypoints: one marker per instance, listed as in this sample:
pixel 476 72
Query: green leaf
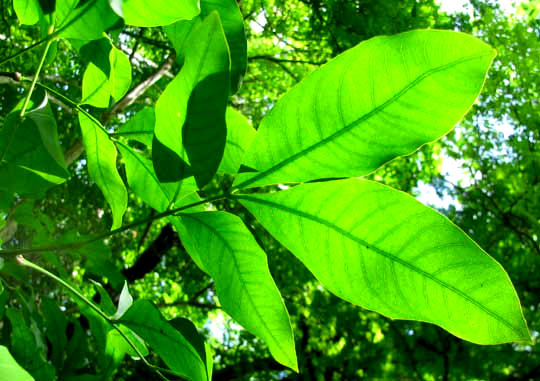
pixel 143 181
pixel 124 302
pixel 233 25
pixel 9 369
pixel 145 320
pixel 101 161
pixel 140 127
pixel 84 20
pixel 190 332
pixel 240 134
pixel 32 158
pixel 117 346
pixel 56 325
pixel 383 250
pixel 156 12
pixel 190 114
pixel 28 11
pixel 244 285
pixel 25 349
pixel 102 78
pixel 178 34
pixel 384 98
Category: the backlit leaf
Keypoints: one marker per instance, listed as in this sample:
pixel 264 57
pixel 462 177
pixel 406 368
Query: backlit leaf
pixel 244 285
pixel 101 161
pixel 233 25
pixel 384 98
pixel 383 250
pixel 240 134
pixel 9 369
pixel 84 20
pixel 28 11
pixel 156 12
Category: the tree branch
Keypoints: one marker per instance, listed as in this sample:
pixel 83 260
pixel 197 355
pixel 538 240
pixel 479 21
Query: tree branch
pixel 150 258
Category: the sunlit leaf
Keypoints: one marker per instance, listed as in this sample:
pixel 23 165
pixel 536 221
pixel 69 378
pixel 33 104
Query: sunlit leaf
pixel 140 127
pixel 244 285
pixel 384 98
pixel 156 12
pixel 10 369
pixel 143 181
pixel 28 11
pixel 107 75
pixel 383 250
pixel 84 20
pixel 101 160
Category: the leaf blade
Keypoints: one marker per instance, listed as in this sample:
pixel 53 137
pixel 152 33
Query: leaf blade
pixel 101 159
pixel 330 126
pixel 232 257
pixel 190 114
pixel 369 259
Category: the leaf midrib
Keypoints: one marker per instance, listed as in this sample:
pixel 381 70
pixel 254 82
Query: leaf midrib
pixel 358 121
pixel 386 254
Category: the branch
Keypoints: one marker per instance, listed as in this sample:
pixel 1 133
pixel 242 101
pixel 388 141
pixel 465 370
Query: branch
pixel 151 257
pixel 139 90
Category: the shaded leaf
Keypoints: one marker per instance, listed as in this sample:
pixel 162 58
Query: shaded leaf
pixel 383 250
pixel 384 98
pixel 25 349
pixel 240 134
pixel 179 355
pixel 56 324
pixel 140 127
pixel 190 113
pixel 233 25
pixel 32 160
